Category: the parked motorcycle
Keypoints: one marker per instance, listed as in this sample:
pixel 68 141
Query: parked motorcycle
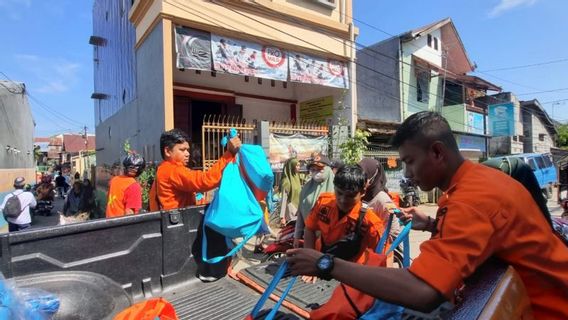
pixel 409 194
pixel 284 241
pixel 43 208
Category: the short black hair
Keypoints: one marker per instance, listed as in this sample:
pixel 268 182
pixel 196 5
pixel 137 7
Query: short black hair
pixel 425 127
pixel 170 138
pixel 350 178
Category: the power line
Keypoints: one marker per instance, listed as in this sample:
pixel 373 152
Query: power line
pixel 526 65
pixel 545 91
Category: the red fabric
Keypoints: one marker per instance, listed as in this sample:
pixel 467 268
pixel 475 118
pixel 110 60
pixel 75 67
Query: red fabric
pixel 121 197
pixel 152 309
pixel 178 184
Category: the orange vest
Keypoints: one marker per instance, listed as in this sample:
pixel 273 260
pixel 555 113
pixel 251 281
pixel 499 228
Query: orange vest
pixel 115 202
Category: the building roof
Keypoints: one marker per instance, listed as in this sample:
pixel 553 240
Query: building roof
pixel 457 58
pixel 536 108
pixel 41 139
pixel 75 143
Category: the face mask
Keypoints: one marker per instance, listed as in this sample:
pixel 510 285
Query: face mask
pixel 318 176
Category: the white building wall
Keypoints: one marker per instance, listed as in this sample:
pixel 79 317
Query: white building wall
pixel 538 129
pixel 260 109
pixel 419 47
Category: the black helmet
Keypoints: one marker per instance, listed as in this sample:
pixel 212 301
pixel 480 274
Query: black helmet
pixel 134 161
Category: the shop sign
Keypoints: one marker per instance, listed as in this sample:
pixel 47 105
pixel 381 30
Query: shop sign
pixel 316 109
pixel 470 142
pixel 502 119
pixel 284 147
pixel 309 69
pixel 248 59
pixel 193 49
pixel 475 122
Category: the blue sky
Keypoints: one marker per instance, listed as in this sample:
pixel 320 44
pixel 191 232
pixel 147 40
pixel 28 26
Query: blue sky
pixel 45 45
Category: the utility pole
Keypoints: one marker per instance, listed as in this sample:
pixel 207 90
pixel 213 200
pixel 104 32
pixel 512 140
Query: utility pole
pixel 86 138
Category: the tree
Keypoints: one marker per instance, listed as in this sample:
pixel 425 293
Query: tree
pixel 352 150
pixel 562 139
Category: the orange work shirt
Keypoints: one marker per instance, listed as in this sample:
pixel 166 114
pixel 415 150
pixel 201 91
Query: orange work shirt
pixel 118 197
pixel 324 217
pixel 175 185
pixel 486 213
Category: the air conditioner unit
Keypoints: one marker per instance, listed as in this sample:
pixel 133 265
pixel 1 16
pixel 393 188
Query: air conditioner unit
pixel 327 3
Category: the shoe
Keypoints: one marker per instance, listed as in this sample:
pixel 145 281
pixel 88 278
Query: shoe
pixel 207 279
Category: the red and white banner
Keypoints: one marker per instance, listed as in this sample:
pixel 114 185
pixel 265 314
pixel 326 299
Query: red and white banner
pixel 310 69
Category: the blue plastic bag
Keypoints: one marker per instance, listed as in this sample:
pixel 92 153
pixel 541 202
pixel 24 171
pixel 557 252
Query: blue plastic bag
pixel 234 211
pixel 26 303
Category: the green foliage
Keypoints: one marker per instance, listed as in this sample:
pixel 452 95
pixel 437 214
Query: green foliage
pixel 126 146
pixel 562 139
pixel 352 150
pixel 146 179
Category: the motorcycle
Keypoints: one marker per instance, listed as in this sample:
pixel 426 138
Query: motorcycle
pixel 284 241
pixel 43 208
pixel 409 194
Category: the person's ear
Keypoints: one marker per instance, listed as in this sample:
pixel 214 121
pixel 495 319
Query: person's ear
pixel 167 152
pixel 438 151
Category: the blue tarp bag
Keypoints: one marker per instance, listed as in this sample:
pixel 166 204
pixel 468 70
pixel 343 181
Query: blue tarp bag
pixel 234 211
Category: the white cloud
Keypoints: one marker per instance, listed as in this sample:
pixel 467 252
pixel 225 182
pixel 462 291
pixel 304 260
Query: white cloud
pixel 506 5
pixel 50 75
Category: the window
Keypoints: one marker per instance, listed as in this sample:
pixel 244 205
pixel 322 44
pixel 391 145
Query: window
pixel 532 164
pixel 454 94
pixel 541 136
pixel 435 43
pixel 540 162
pixel 547 161
pixel 327 3
pixel 422 86
pixel 430 40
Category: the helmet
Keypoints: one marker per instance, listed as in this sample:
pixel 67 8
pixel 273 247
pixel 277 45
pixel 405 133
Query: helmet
pixel 134 161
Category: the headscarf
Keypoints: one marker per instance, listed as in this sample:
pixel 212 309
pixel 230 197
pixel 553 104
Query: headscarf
pixel 374 171
pixel 312 190
pixel 290 182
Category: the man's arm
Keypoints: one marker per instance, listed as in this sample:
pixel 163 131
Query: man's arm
pixel 33 202
pixel 202 181
pixel 392 285
pixel 309 238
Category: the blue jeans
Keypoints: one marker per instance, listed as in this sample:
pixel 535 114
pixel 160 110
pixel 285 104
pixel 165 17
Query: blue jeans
pixel 18 227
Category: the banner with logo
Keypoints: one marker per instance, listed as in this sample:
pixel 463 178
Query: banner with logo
pixel 193 49
pixel 475 122
pixel 284 147
pixel 502 119
pixel 314 70
pixel 248 59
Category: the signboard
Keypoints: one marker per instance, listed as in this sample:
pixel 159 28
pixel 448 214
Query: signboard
pixel 470 142
pixel 502 119
pixel 248 59
pixel 283 147
pixel 193 49
pixel 475 122
pixel 314 70
pixel 316 109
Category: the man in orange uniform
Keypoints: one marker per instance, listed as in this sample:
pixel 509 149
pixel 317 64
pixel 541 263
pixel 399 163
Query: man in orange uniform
pixel 335 215
pixel 175 185
pixel 483 213
pixel 125 193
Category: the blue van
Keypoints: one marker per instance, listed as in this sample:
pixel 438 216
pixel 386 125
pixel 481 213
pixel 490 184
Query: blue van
pixel 543 168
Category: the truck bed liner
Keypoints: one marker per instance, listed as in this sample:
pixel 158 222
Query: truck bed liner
pixel 223 299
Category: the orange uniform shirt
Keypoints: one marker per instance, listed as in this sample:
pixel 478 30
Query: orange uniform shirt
pixel 486 213
pixel 324 217
pixel 175 185
pixel 118 197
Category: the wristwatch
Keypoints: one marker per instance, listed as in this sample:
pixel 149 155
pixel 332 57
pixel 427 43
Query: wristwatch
pixel 325 265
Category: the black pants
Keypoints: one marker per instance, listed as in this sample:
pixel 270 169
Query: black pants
pixel 18 227
pixel 216 246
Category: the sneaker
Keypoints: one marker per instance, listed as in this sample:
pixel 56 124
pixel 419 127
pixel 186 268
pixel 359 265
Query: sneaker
pixel 207 279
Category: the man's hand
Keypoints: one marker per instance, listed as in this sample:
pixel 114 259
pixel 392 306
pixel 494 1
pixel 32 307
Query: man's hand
pixel 309 279
pixel 296 243
pixel 234 145
pixel 420 221
pixel 303 261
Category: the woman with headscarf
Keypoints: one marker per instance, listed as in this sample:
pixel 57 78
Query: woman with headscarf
pixel 376 194
pixel 321 180
pixel 290 187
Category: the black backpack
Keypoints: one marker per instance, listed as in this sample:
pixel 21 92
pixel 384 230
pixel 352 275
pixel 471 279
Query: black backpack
pixel 13 207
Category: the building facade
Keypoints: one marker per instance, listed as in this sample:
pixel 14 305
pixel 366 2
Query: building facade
pixel 163 64
pixel 16 135
pixel 422 69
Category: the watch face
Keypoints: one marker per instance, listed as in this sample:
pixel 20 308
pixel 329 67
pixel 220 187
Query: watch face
pixel 324 263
